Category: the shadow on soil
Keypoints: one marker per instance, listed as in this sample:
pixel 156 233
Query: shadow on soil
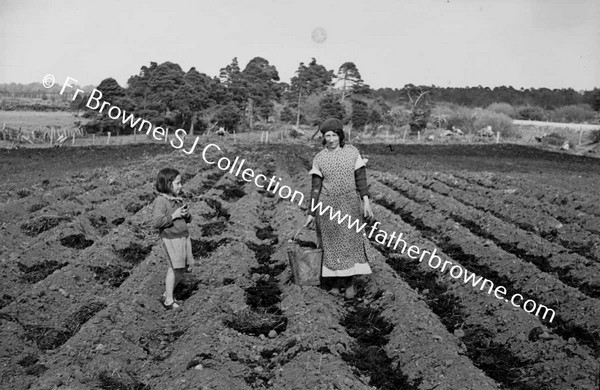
pixel 48 338
pixel 371 333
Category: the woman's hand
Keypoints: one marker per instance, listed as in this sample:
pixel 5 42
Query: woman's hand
pixel 309 220
pixel 367 207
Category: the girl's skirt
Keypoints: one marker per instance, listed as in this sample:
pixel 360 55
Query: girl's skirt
pixel 179 252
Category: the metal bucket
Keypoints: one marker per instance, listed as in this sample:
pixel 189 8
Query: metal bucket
pixel 305 264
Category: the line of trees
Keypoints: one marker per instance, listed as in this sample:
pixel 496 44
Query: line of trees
pixel 239 99
pixel 479 96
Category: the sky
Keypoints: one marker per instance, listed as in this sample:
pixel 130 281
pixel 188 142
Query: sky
pixel 447 43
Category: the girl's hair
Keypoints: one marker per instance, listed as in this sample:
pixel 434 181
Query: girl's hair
pixel 340 134
pixel 165 179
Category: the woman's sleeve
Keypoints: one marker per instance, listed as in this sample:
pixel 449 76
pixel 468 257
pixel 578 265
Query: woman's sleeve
pixel 360 175
pixel 315 192
pixel 360 162
pixel 160 215
pixel 315 170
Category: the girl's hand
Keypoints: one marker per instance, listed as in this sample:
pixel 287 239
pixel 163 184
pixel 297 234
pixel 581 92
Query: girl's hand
pixel 367 208
pixel 185 210
pixel 178 213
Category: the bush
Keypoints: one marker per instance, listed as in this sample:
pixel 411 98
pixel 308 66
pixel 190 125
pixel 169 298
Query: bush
pixel 462 118
pixel 595 136
pixel 309 110
pixel 229 116
pixel 330 107
pixel 397 116
pixel 440 114
pixel 498 122
pixel 573 114
pixel 532 113
pixel 503 108
pixel 287 115
pixel 360 114
pixel 418 119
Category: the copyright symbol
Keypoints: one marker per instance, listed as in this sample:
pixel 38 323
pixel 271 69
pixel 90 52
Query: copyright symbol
pixel 48 81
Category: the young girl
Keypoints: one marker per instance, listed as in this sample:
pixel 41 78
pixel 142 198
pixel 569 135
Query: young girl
pixel 170 216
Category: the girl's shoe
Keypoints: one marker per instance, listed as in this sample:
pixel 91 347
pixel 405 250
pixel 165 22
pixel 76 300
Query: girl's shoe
pixel 163 297
pixel 171 306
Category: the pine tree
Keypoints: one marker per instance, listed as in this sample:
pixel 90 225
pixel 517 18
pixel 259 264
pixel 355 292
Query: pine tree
pixel 360 114
pixel 331 107
pixel 351 80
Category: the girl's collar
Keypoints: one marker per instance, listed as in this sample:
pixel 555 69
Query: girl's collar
pixel 170 197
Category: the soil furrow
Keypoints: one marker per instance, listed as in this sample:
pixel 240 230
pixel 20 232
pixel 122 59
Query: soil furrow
pixel 576 201
pixel 503 342
pixel 576 315
pixel 64 298
pixel 571 269
pixel 419 346
pixel 558 224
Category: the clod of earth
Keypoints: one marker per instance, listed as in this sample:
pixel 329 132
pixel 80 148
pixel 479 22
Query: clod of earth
pixel 37 272
pixel 134 253
pixel 231 192
pixel 203 248
pixel 76 241
pixel 213 228
pixel 42 224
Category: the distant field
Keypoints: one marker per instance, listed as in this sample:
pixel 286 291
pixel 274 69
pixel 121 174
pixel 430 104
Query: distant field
pixel 571 126
pixel 34 120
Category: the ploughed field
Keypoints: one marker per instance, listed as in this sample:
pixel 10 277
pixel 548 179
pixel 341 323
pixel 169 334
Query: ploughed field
pixel 82 273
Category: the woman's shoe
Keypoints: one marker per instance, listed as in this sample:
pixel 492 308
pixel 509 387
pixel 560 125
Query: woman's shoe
pixel 350 292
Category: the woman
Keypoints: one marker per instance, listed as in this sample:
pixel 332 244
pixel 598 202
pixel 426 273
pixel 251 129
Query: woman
pixel 338 178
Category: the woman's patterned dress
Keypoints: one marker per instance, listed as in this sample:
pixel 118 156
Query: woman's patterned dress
pixel 345 252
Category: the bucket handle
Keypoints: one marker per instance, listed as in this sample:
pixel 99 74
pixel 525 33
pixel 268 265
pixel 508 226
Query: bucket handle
pixel 298 232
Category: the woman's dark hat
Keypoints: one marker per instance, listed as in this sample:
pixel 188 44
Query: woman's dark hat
pixel 331 124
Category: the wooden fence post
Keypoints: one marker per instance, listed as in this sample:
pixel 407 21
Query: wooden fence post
pixel 73 140
pixel 108 138
pixel 497 137
pixel 418 135
pixel 580 135
pixel 93 138
pixel 404 137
